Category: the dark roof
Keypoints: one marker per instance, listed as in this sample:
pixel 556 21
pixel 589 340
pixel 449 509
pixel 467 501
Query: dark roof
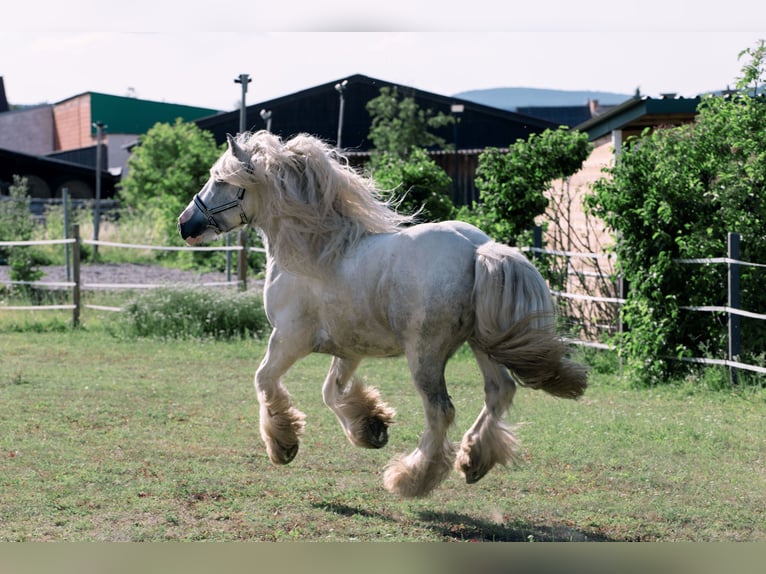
pixel 53 171
pixel 638 113
pixel 562 115
pixel 4 107
pixel 315 110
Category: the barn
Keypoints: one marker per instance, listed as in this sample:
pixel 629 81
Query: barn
pixel 317 111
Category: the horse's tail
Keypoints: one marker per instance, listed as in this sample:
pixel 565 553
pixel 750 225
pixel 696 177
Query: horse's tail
pixel 515 323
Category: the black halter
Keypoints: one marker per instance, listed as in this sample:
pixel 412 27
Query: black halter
pixel 210 212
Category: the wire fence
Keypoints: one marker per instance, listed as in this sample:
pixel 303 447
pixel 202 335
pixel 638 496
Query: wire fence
pixel 732 309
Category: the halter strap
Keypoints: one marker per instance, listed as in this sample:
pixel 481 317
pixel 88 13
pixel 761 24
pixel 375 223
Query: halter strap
pixel 210 212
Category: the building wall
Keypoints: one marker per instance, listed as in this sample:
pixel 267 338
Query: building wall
pixel 28 131
pixel 73 123
pixel 571 229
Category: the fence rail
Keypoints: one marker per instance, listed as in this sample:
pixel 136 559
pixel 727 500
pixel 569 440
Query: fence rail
pixel 732 309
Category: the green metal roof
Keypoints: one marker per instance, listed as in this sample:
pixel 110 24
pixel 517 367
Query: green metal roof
pixel 640 112
pixel 124 115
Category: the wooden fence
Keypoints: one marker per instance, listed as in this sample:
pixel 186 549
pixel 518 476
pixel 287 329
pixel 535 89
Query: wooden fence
pixel 732 309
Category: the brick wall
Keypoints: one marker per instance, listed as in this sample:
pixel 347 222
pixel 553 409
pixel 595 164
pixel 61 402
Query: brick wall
pixel 73 123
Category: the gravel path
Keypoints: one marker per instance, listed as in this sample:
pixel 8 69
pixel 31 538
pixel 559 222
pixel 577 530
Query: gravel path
pixel 129 273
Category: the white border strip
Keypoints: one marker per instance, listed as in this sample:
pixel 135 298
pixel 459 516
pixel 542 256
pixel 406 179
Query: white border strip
pixel 721 260
pixel 729 310
pixel 38 308
pixel 588 297
pixel 36 242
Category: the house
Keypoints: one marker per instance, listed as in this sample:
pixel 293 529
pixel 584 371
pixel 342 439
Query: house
pixel 316 110
pixel 569 228
pixel 55 145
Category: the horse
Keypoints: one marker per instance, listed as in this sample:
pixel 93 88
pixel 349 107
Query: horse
pixel 349 276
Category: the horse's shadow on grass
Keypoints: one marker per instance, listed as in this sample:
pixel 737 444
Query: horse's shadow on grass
pixel 451 525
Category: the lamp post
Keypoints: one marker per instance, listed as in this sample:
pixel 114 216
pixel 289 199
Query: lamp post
pixel 266 116
pixel 97 206
pixel 457 110
pixel 341 87
pixel 243 79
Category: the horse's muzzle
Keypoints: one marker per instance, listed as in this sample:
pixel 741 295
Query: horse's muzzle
pixel 192 223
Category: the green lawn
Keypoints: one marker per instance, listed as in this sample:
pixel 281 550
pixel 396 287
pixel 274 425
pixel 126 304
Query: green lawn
pixel 146 440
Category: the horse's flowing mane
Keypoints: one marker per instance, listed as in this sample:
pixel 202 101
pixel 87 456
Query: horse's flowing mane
pixel 310 204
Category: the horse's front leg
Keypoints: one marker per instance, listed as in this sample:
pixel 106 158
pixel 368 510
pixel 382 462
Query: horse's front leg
pixel 361 413
pixel 281 424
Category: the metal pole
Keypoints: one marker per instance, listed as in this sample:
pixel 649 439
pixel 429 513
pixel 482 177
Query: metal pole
pixel 242 261
pixel 341 87
pixel 266 115
pixel 735 301
pixel 243 79
pixel 97 207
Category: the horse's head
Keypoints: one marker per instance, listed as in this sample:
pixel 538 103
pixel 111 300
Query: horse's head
pixel 219 207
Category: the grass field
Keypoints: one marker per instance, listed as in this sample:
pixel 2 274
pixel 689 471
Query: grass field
pixel 149 440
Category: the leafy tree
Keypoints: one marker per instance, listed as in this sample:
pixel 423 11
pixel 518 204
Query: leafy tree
pixel 16 224
pixel 512 185
pixel 422 186
pixel 400 125
pixel 676 193
pixel 169 166
pixel 399 163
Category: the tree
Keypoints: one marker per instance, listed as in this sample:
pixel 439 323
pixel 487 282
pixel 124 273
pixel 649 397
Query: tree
pixel 169 166
pixel 400 125
pixel 675 194
pixel 422 186
pixel 16 224
pixel 400 165
pixel 512 185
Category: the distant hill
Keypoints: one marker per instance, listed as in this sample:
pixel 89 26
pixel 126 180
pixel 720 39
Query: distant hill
pixel 512 98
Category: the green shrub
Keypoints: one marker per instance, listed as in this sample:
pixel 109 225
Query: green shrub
pixel 181 313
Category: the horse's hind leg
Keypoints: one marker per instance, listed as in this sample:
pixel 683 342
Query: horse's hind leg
pixel 419 472
pixel 361 412
pixel 281 424
pixel 489 441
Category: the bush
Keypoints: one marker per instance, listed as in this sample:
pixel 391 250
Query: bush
pixel 675 194
pixel 181 313
pixel 512 185
pixel 423 186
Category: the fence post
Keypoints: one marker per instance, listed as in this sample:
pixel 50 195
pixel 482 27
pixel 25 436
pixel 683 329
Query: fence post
pixel 76 274
pixel 735 301
pixel 65 204
pixel 242 261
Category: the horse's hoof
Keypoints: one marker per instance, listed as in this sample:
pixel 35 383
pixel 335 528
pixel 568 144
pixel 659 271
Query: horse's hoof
pixel 473 476
pixel 283 455
pixel 377 433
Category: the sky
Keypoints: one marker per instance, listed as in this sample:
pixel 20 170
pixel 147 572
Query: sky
pixel 189 52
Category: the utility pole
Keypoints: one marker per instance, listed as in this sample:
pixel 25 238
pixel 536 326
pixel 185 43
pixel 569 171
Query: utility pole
pixel 243 79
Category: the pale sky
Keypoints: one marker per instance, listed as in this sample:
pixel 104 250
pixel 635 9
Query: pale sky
pixel 190 51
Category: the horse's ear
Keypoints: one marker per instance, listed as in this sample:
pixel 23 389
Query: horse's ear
pixel 237 150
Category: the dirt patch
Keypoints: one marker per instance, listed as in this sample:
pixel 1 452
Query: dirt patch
pixel 97 275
